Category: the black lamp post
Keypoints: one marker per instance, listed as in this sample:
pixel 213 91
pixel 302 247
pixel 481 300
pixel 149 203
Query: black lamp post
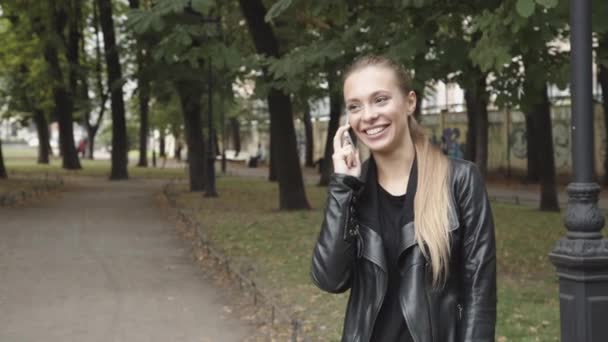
pixel 581 257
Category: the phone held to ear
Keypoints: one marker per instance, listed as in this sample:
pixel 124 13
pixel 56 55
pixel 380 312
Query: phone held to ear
pixel 347 138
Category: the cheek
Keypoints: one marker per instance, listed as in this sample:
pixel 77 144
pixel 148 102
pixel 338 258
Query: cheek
pixel 353 120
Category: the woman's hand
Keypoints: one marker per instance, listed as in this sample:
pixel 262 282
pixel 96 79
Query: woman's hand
pixel 346 157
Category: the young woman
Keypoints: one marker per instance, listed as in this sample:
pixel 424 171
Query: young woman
pixel 410 231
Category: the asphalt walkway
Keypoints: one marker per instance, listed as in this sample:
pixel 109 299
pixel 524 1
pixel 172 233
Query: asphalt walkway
pixel 103 264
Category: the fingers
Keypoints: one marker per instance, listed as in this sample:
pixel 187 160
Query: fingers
pixel 357 158
pixel 338 136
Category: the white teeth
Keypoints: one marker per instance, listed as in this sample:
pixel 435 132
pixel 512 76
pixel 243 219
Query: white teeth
pixel 375 131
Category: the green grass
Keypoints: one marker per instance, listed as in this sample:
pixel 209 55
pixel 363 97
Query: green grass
pixel 95 168
pixel 17 185
pixel 244 222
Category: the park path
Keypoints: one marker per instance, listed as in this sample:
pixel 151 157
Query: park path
pixel 101 263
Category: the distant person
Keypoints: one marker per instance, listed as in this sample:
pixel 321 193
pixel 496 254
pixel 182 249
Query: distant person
pixel 410 231
pixel 82 147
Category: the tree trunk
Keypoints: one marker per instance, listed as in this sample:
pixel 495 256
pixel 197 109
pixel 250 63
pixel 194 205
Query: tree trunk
pixel 162 150
pixel 335 106
pixel 272 170
pixel 3 174
pixel 285 155
pixel 177 152
pixel 535 104
pixel 73 48
pixel 42 127
pixel 235 128
pixel 93 128
pixel 546 154
pixel 216 144
pixel 532 151
pixel 477 133
pixel 61 97
pixel 309 136
pixel 482 123
pixel 603 80
pixel 190 94
pixel 471 141
pixel 91 133
pixel 119 129
pixel 144 98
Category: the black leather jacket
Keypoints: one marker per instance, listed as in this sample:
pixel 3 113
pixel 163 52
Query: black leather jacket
pixel 349 254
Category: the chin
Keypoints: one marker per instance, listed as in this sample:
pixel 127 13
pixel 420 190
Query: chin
pixel 379 147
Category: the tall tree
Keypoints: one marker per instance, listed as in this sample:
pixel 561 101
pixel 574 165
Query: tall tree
pixel 335 110
pixel 309 159
pixel 143 84
pixel 534 54
pixel 119 129
pixel 92 122
pixel 477 99
pixel 190 93
pixel 50 28
pixel 284 151
pixel 532 150
pixel 21 73
pixel 235 133
pixel 538 109
pixel 42 128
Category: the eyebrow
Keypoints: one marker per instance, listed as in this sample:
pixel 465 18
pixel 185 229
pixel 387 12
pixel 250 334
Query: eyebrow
pixel 372 95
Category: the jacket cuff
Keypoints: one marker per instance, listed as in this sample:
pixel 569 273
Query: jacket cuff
pixel 341 180
pixel 353 186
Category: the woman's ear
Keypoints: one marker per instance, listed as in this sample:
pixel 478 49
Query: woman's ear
pixel 411 102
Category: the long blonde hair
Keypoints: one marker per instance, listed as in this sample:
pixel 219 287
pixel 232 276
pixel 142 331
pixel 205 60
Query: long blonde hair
pixel 431 203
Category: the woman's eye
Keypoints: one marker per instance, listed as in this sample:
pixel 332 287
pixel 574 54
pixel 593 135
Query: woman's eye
pixel 381 99
pixel 352 108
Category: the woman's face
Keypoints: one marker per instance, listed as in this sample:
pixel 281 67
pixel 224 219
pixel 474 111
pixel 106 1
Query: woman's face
pixel 377 108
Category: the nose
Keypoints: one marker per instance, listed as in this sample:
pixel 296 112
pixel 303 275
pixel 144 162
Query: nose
pixel 369 114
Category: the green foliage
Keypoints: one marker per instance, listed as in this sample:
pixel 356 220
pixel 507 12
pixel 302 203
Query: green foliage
pixel 511 33
pixel 22 69
pixel 279 7
pixel 525 8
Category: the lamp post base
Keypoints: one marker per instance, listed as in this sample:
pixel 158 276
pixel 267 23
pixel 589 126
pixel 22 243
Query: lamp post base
pixel 581 260
pixel 582 268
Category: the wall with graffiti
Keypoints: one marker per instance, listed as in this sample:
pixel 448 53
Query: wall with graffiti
pixel 507 137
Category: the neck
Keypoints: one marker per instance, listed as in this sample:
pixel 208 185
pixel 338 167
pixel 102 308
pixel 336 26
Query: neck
pixel 394 167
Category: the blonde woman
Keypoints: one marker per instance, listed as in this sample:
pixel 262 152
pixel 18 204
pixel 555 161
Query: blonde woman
pixel 410 231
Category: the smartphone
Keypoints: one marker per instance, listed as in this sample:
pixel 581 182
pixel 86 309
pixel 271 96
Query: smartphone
pixel 347 137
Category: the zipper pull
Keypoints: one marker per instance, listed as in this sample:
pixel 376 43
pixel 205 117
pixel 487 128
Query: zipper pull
pixel 459 307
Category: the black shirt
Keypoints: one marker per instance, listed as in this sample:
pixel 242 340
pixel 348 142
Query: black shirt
pixel 394 213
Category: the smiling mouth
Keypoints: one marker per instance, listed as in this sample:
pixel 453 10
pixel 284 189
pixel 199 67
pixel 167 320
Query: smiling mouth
pixel 375 130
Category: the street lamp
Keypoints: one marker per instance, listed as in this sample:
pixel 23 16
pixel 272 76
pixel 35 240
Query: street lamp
pixel 581 257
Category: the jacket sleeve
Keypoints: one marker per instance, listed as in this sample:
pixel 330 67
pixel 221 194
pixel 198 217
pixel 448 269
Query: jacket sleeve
pixel 335 250
pixel 478 264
